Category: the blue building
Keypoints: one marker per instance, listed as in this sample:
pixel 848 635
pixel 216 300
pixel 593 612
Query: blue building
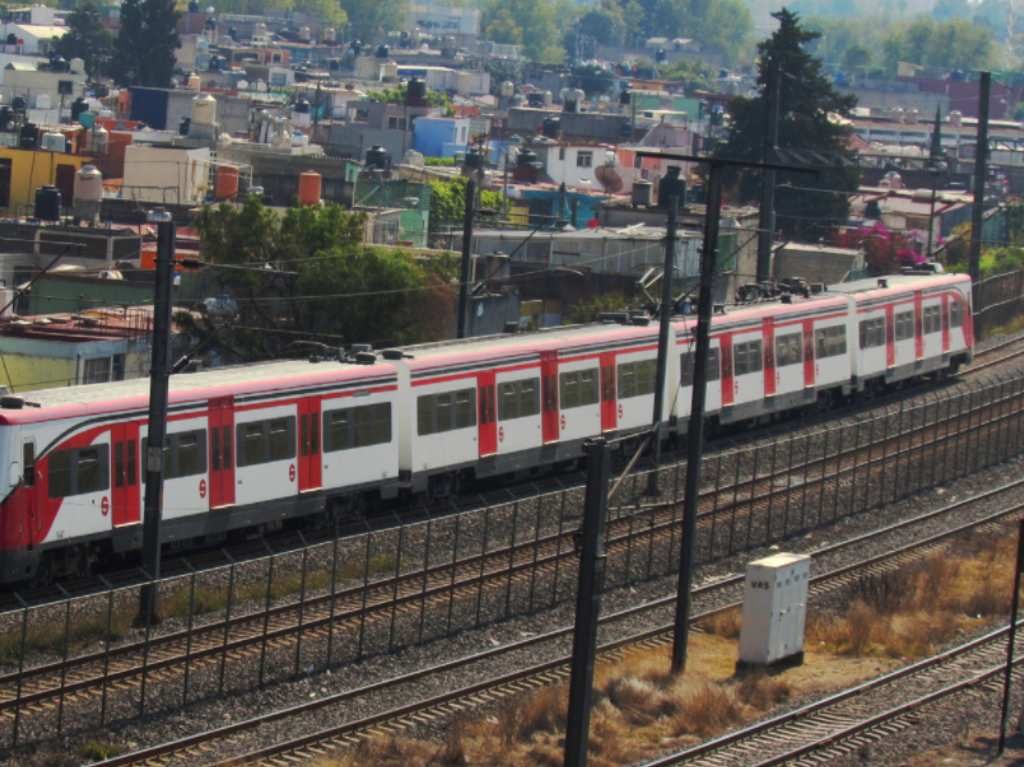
pixel 440 136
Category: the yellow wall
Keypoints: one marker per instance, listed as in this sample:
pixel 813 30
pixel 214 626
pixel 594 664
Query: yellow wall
pixel 32 169
pixel 28 373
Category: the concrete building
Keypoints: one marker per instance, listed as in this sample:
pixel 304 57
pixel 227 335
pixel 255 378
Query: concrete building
pixel 816 263
pixel 95 346
pixel 165 173
pixel 436 18
pixel 41 87
pixel 441 136
pixel 32 30
pixel 23 171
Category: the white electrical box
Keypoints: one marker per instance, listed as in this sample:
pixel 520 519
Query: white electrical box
pixel 775 610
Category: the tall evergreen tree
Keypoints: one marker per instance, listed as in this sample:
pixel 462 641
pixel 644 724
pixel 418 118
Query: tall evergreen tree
pixel 935 149
pixel 146 42
pixel 807 106
pixel 86 38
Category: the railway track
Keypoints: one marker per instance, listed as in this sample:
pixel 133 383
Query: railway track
pixel 724 593
pixel 93 678
pixel 848 721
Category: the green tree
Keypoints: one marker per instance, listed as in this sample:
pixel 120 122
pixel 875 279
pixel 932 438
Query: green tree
pixel 855 59
pixel 145 45
pixel 448 203
pixel 368 20
pixel 536 24
pixel 807 100
pixel 86 38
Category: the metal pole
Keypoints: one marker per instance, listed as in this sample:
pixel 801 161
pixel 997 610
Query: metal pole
pixel 695 430
pixel 931 211
pixel 588 604
pixel 467 240
pixel 665 319
pixel 980 171
pixel 157 424
pixel 1012 640
pixel 766 221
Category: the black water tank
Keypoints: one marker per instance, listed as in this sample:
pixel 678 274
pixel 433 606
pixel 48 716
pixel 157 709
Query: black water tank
pixel 184 125
pixel 474 159
pixel 382 51
pixel 625 98
pixel 47 204
pixel 570 105
pixel 525 157
pixel 301 107
pixel 5 118
pixel 29 136
pixel 378 157
pixel 18 104
pixel 552 127
pixel 78 106
pixel 415 91
pixel 193 6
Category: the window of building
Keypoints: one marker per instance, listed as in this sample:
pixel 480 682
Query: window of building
pixel 584 159
pixel 637 378
pixel 830 342
pixel 518 399
pixel 932 319
pixel 117 372
pixel 872 333
pixel 578 388
pixel 561 153
pixel 79 470
pixel 747 357
pixel 789 349
pixel 184 454
pixel 686 362
pixel 96 370
pixel 956 314
pixel 445 411
pixel 265 441
pixel 904 322
pixel 357 427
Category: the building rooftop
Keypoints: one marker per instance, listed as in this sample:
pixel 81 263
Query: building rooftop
pixel 90 325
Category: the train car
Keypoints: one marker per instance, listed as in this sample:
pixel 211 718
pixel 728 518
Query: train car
pixel 246 446
pixel 255 446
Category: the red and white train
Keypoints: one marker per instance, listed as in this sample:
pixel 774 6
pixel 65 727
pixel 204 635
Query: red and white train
pixel 256 445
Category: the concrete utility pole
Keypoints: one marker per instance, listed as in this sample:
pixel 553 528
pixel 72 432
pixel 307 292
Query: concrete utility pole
pixel 980 172
pixel 670 187
pixel 695 427
pixel 157 425
pixel 588 604
pixel 467 242
pixel 766 217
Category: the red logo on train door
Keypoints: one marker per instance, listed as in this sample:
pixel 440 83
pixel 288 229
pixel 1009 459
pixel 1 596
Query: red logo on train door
pixel 291 472
pixel 105 506
pixel 202 488
pixel 501 434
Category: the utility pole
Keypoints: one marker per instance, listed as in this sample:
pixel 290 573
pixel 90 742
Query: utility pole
pixel 664 321
pixel 588 603
pixel 695 427
pixel 766 218
pixel 467 241
pixel 156 429
pixel 934 174
pixel 980 172
pixel 1012 639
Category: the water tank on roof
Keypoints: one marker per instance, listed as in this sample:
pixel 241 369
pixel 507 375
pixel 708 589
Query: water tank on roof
pixel 78 106
pixel 28 137
pixel 329 35
pixel 6 117
pixel 382 51
pixel 193 6
pixel 642 194
pixel 415 92
pixel 193 83
pixel 625 98
pixel 52 141
pixel 204 110
pixel 551 127
pixel 508 89
pixel 18 104
pixel 301 113
pixel 390 70
pixel 474 159
pixel 305 34
pixel 378 157
pixel 88 184
pixel 99 139
pixel 225 185
pixel 310 184
pixel 48 201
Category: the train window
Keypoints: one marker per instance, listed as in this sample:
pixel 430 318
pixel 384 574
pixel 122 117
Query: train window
pixel 264 441
pixel 956 316
pixel 445 411
pixel 872 332
pixel 518 399
pixel 904 322
pixel 28 463
pixel 79 470
pixel 637 378
pixel 578 388
pixel 747 357
pixel 184 455
pixel 789 350
pixel 686 367
pixel 932 319
pixel 830 342
pixel 372 424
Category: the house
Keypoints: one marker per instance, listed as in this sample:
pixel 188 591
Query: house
pixel 94 346
pixel 166 173
pixel 24 171
pixel 441 136
pixel 32 30
pixel 43 87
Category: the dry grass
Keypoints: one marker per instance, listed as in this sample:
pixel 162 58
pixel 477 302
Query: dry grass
pixel 724 624
pixel 910 612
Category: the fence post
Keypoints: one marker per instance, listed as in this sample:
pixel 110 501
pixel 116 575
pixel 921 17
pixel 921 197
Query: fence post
pixel 22 641
pixel 188 633
pixel 302 602
pixel 227 625
pixel 268 600
pixel 106 648
pixel 64 657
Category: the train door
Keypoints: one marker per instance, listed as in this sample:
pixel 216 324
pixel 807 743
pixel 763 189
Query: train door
pixel 945 323
pixel 488 424
pixel 310 466
pixel 809 363
pixel 890 336
pixel 35 493
pixel 609 406
pixel 549 395
pixel 126 481
pixel 222 453
pixel 728 379
pixel 918 325
pixel 768 333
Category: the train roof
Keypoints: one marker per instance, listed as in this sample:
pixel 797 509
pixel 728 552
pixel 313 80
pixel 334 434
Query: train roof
pixel 239 380
pixel 896 283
